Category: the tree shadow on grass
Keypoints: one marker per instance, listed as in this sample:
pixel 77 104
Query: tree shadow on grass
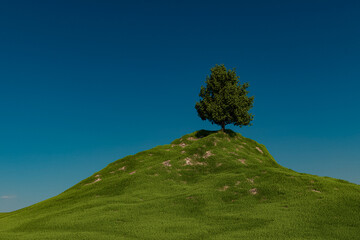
pixel 204 133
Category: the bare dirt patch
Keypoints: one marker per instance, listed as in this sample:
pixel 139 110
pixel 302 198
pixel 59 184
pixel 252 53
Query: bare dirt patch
pixel 257 148
pixel 188 161
pixel 182 145
pixel 208 154
pixel 122 169
pixel 132 172
pixel 243 161
pixel 201 163
pixel 167 163
pixel 314 190
pixel 224 188
pixel 192 139
pixel 98 179
pixel 182 152
pixel 251 180
pixel 253 191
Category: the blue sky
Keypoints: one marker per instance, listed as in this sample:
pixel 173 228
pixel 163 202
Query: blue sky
pixel 83 83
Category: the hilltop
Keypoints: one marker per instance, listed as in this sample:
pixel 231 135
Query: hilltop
pixel 204 185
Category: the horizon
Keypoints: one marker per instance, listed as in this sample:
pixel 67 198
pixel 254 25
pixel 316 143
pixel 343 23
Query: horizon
pixel 84 84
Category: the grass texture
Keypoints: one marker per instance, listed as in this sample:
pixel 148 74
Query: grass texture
pixel 205 185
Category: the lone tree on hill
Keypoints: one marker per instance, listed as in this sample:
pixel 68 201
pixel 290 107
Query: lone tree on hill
pixel 224 100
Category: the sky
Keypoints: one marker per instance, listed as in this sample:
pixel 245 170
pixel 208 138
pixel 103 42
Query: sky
pixel 84 83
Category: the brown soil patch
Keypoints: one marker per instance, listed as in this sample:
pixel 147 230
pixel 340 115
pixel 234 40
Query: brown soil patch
pixel 257 148
pixel 192 139
pixel 208 154
pixel 122 169
pixel 243 161
pixel 97 175
pixel 182 145
pixel 132 172
pixel 201 163
pixel 95 181
pixel 253 191
pixel 251 180
pixel 188 161
pixel 244 143
pixel 167 163
pixel 314 190
pixel 224 188
pixel 150 154
pixel 182 152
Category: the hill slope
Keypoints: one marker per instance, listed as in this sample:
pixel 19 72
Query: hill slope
pixel 205 185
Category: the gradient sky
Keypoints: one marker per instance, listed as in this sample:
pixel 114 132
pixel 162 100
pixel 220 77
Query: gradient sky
pixel 83 83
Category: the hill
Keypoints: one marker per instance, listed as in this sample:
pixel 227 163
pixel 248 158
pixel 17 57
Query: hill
pixel 205 185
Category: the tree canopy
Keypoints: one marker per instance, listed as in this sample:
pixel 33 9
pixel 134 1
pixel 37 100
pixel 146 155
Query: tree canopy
pixel 224 99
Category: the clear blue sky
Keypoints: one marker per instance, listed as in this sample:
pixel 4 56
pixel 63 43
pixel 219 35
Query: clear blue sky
pixel 83 83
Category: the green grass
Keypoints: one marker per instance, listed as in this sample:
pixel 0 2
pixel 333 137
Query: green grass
pixel 237 192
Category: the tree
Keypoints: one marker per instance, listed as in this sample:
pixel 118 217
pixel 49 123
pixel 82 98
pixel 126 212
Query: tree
pixel 224 100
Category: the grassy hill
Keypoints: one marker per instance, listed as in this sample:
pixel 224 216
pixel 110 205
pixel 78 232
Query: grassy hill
pixel 205 185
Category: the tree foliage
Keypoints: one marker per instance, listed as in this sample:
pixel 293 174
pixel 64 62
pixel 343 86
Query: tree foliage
pixel 224 99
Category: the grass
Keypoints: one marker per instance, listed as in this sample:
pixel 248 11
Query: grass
pixel 231 189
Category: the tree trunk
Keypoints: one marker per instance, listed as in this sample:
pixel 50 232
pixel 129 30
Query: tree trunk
pixel 223 127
